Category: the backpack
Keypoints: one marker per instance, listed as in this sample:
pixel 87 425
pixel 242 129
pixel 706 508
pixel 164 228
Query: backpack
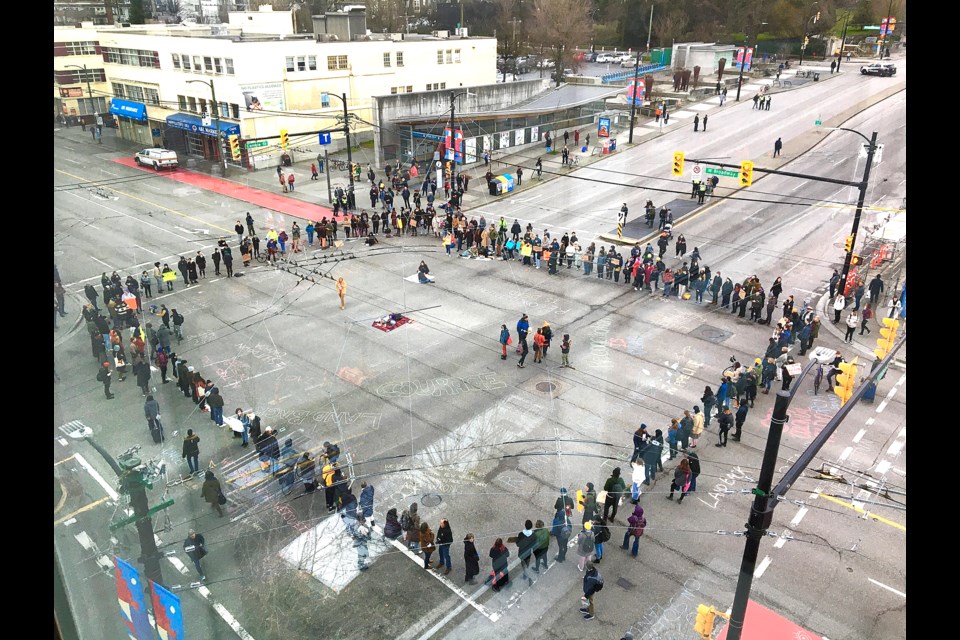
pixel 101 375
pixel 406 522
pixel 603 535
pixel 177 319
pixel 599 585
pixel 638 530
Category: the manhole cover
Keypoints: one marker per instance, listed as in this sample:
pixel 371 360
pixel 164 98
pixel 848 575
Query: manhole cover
pixel 546 387
pixel 711 333
pixel 626 584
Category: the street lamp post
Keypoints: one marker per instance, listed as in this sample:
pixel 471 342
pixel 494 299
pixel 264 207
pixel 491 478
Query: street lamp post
pixel 633 101
pixel 843 39
pixel 743 63
pixel 803 42
pixel 453 136
pixel 871 148
pixel 216 117
pixel 86 76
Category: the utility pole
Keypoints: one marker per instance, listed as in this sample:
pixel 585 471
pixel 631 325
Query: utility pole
pixel 803 43
pixel 453 134
pixel 346 130
pixel 216 117
pixel 843 40
pixel 871 148
pixel 636 97
pixel 743 63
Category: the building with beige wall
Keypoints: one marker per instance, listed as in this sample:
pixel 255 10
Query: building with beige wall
pixel 266 79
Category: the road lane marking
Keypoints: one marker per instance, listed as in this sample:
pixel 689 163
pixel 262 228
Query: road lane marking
pixel 859 436
pixel 93 504
pixel 895 448
pixel 153 253
pixel 883 467
pixel 763 566
pixel 891 589
pixel 103 263
pixel 873 516
pixel 797 518
pixel 846 453
pixel 96 476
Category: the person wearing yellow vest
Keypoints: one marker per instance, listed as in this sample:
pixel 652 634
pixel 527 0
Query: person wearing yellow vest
pixel 329 489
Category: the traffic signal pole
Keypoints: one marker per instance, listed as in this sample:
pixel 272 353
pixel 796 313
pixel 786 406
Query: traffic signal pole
pixel 766 499
pixel 633 103
pixel 872 147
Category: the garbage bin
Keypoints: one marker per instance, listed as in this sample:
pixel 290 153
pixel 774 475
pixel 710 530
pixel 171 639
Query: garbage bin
pixel 508 182
pixel 285 160
pixel 816 77
pixel 495 187
pixel 605 147
pixel 613 145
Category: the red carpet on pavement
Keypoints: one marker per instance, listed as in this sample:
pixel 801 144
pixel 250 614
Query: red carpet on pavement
pixel 386 327
pixel 275 201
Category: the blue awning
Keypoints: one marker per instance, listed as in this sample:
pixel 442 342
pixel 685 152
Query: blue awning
pixel 194 124
pixel 127 109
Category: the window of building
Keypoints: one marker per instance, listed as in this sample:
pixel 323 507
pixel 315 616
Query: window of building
pixel 235 111
pixel 151 96
pixel 186 62
pixel 208 64
pixel 218 65
pixel 197 63
pixel 192 104
pixel 439 56
pixel 118 90
pixel 182 102
pixel 90 106
pixel 229 63
pixel 301 63
pixel 456 55
pixel 176 60
pixel 336 63
pixel 88 48
pixel 312 63
pixel 290 64
pixel 449 56
pixel 202 104
pixel 225 109
pixel 436 86
pixel 393 90
pixel 386 59
pixel 135 93
pixel 399 58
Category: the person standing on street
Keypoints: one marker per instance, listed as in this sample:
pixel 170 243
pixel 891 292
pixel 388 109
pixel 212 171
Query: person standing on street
pixel 592 584
pixel 615 488
pixel 427 546
pixel 228 260
pixel 250 224
pixel 215 402
pixel 444 540
pixel 681 480
pixel 542 535
pixel 651 457
pixel 342 291
pixel 876 288
pixel 696 122
pixel 867 316
pixel 216 261
pixel 499 556
pixel 704 123
pixel 561 528
pixel 191 451
pixel 524 350
pixel 471 559
pixel 104 376
pixel 194 546
pixel 526 544
pixel 504 340
pixel 212 492
pixel 777 147
pixel 834 281
pixel 724 422
pixel 585 544
pixel 739 419
pixel 636 524
pixel 853 321
pixel 838 306
pixel 60 294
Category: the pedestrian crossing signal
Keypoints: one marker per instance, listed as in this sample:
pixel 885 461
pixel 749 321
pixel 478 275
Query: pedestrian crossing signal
pixel 677 164
pixel 855 260
pixel 746 173
pixel 235 146
pixel 846 380
pixel 284 139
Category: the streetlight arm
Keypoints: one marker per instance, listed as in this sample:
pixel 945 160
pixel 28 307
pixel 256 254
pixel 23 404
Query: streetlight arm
pixel 851 131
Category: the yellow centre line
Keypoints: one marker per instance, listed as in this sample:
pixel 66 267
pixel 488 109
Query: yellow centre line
pixel 67 459
pixel 150 203
pixel 896 525
pixel 81 510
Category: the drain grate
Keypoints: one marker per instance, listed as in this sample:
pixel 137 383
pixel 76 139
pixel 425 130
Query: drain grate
pixel 546 387
pixel 626 584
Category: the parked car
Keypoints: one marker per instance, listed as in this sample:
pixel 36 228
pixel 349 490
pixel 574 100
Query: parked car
pixel 628 62
pixel 157 158
pixel 879 69
pixel 606 57
pixel 590 56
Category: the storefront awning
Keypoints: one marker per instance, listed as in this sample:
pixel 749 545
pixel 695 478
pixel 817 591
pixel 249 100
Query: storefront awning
pixel 128 109
pixel 194 124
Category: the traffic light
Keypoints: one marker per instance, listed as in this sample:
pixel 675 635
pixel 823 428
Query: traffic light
pixel 677 164
pixel 846 380
pixel 855 260
pixel 704 623
pixel 284 139
pixel 848 244
pixel 888 337
pixel 235 146
pixel 746 173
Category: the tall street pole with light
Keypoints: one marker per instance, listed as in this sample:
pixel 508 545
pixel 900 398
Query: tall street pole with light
pixel 803 44
pixel 346 131
pixel 216 119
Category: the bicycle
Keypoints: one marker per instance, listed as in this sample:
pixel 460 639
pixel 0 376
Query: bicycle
pixel 818 379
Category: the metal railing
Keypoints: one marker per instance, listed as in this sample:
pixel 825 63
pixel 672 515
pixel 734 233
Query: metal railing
pixel 626 75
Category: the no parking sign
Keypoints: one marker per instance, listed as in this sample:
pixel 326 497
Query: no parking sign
pixel 697 173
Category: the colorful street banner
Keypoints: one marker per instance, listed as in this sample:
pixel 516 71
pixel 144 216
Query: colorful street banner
pixel 635 92
pixel 133 609
pixel 739 59
pixel 167 613
pixel 454 148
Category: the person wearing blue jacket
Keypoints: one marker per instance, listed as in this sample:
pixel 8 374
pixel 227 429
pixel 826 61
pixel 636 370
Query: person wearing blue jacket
pixel 562 527
pixel 504 338
pixel 651 457
pixel 523 328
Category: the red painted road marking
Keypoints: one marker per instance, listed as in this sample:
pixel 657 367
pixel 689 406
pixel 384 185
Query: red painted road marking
pixel 266 199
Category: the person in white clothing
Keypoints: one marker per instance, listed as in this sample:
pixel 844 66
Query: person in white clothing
pixel 852 321
pixel 838 306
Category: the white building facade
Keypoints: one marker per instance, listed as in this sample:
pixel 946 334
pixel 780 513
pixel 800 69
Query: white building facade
pixel 162 79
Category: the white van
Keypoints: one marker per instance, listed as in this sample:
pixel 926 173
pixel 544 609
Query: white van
pixel 157 158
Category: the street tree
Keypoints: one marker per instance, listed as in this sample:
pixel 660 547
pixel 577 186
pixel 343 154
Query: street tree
pixel 556 26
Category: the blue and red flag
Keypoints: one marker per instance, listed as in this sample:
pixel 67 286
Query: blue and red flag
pixel 167 613
pixel 133 609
